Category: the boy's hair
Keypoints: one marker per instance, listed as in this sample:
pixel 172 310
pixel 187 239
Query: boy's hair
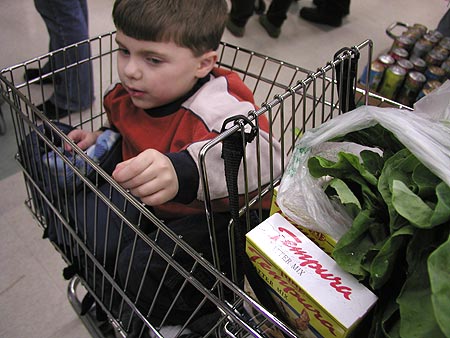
pixel 194 24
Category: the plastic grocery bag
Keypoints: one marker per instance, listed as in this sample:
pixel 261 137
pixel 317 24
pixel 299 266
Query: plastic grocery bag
pixel 424 131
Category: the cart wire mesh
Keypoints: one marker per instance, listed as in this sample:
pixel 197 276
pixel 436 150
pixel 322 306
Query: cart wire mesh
pixel 294 100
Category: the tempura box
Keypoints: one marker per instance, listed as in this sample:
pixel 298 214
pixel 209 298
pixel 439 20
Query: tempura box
pixel 319 298
pixel 323 240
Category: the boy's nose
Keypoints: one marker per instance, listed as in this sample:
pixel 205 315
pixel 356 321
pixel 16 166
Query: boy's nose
pixel 132 69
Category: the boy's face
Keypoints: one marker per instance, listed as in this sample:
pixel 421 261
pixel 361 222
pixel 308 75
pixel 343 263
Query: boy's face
pixel 157 73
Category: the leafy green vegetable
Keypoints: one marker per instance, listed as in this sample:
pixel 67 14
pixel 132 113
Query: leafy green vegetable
pixel 375 137
pixel 439 270
pixel 415 298
pixel 384 262
pixel 354 244
pixel 372 161
pixel 418 212
pixel 347 164
pixel 426 181
pixel 345 195
pixel 398 167
pixel 398 244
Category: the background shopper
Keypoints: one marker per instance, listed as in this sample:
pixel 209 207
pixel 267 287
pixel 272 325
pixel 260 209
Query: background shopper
pixel 67 23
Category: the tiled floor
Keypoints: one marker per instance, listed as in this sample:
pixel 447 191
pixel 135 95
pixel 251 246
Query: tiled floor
pixel 33 299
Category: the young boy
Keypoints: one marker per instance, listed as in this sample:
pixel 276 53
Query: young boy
pixel 170 101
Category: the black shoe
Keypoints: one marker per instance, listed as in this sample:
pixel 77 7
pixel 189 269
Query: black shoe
pixel 51 111
pixel 33 73
pixel 322 16
pixel 270 28
pixel 234 29
pixel 322 3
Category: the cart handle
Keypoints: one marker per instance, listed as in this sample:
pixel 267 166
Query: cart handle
pixel 395 25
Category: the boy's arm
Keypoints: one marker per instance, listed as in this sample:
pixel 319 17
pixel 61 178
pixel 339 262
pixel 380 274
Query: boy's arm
pixel 187 175
pixel 150 176
pixel 263 166
pixel 157 178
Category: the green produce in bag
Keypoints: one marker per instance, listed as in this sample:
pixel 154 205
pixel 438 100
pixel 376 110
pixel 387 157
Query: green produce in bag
pixel 378 181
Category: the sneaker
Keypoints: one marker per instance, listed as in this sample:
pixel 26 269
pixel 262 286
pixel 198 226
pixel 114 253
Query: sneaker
pixel 52 111
pixel 33 73
pixel 322 16
pixel 270 28
pixel 235 29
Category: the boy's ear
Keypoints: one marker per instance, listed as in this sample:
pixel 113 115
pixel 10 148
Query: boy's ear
pixel 207 63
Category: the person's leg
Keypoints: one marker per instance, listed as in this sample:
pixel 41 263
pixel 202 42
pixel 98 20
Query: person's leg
pixel 241 11
pixel 277 11
pixel 104 231
pixel 444 24
pixel 151 281
pixel 275 16
pixel 67 24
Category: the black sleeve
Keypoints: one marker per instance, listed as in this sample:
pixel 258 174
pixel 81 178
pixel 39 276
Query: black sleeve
pixel 188 176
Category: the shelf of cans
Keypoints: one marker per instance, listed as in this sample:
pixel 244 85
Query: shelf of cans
pixel 417 63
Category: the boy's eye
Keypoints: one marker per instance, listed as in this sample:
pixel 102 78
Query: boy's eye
pixel 124 51
pixel 154 60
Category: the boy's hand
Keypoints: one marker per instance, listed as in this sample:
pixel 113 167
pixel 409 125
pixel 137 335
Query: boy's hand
pixel 84 139
pixel 149 176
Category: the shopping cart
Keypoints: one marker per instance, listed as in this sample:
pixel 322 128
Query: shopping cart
pixel 2 118
pixel 293 98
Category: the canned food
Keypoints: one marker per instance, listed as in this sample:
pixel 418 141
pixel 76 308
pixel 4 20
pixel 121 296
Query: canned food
pixel 386 59
pixel 435 73
pixel 446 67
pixel 432 38
pixel 375 74
pixel 428 88
pixel 399 53
pixel 392 81
pixel 414 82
pixel 432 84
pixel 435 57
pixel 413 33
pixel 441 50
pixel 436 34
pixel 421 47
pixel 445 43
pixel 419 64
pixel 423 92
pixel 403 41
pixel 406 64
pixel 421 28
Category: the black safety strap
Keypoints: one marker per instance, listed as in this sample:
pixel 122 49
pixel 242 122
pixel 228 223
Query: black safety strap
pixel 347 88
pixel 232 154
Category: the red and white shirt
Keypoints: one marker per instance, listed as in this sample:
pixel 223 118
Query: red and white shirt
pixel 180 129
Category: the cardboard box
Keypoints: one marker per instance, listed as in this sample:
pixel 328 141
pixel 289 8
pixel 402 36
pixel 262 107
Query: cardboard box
pixel 320 298
pixel 323 240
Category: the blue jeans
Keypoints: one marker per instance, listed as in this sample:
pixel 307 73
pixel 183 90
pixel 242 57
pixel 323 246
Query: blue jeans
pixel 67 23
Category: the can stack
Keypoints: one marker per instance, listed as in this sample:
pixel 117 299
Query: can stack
pixel 417 63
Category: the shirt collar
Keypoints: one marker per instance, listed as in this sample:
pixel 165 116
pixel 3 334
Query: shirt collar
pixel 174 106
